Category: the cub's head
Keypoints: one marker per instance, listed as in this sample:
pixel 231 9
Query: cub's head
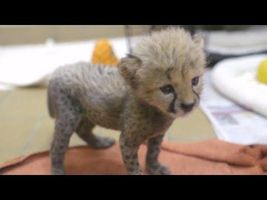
pixel 165 70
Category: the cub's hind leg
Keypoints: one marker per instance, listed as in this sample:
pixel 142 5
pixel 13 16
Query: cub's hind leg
pixel 84 131
pixel 67 120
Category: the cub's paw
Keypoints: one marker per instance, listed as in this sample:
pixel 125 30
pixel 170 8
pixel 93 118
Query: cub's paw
pixel 158 169
pixel 57 172
pixel 138 172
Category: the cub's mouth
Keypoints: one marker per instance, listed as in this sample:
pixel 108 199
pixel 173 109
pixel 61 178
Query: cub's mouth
pixel 185 109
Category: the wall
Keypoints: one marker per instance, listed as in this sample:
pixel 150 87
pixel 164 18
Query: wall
pixel 12 35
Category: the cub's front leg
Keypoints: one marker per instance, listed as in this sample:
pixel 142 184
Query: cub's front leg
pixel 153 166
pixel 129 149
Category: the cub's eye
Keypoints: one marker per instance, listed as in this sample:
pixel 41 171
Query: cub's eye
pixel 195 81
pixel 167 89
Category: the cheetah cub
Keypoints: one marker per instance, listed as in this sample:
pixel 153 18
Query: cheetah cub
pixel 159 81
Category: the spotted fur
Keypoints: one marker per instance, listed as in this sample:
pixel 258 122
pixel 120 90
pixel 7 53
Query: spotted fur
pixel 127 98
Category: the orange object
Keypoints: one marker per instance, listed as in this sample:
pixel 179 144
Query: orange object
pixel 103 53
pixel 206 157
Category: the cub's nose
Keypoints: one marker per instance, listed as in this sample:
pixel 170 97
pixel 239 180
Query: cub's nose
pixel 187 106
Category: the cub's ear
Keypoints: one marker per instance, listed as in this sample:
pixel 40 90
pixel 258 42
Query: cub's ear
pixel 128 67
pixel 199 40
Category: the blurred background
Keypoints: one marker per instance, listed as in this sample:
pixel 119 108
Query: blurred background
pixel 15 35
pixel 18 35
pixel 29 54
